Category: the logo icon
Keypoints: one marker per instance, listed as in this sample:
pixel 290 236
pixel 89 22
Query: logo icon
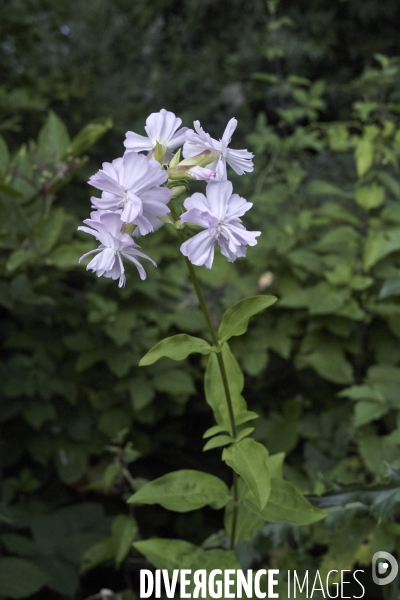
pixel 380 565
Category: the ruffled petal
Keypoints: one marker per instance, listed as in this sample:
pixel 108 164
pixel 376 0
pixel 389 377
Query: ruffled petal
pixel 196 217
pixel 131 209
pixel 218 196
pixel 178 139
pixel 240 161
pixel 237 207
pixel 229 129
pixel 170 125
pixel 138 143
pixel 104 182
pixel 200 249
pixel 154 125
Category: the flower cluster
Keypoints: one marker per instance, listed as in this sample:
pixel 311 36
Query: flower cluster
pixel 137 188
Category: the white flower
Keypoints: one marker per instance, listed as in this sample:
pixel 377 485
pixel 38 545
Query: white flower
pixel 106 228
pixel 162 128
pixel 240 160
pixel 218 211
pixel 131 184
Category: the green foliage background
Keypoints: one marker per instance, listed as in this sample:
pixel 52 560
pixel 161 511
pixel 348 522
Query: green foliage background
pixel 316 89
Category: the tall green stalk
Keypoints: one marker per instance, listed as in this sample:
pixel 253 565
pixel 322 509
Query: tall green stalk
pixel 221 365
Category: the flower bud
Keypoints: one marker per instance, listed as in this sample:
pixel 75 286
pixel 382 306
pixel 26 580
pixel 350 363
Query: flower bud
pixel 177 191
pixel 201 160
pixel 187 172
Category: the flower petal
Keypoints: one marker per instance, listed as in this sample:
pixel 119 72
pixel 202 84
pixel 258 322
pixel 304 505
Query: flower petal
pixel 229 129
pixel 136 142
pixel 200 249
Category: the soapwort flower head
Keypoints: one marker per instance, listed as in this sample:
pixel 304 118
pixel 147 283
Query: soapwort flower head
pixel 240 160
pixel 107 228
pixel 132 185
pixel 218 212
pixel 161 127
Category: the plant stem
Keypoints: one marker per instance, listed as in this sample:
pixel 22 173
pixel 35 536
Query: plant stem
pixel 221 365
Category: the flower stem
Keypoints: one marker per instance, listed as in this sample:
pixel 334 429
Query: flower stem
pixel 221 365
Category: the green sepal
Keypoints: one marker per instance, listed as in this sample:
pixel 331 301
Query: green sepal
pixel 175 159
pixel 159 153
pixel 176 347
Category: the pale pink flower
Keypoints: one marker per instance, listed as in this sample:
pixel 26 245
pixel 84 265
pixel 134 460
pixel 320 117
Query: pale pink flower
pixel 161 127
pixel 106 228
pixel 218 212
pixel 240 160
pixel 132 185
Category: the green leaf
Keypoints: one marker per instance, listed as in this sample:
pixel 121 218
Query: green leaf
pixel 213 431
pixel 275 464
pixel 318 187
pixel 320 299
pixel 217 442
pixel 177 347
pixel 66 256
pixel 367 411
pixel 183 491
pixel 20 258
pixel 10 191
pixel 247 521
pixel 174 382
pixel 364 156
pixel 4 158
pixel 97 554
pixel 379 244
pixel 249 459
pixel 215 391
pixel 244 433
pixel 18 544
pixel 112 421
pixel 37 412
pixel 391 287
pixel 286 503
pixel 370 197
pixel 328 359
pixel 53 139
pixel 61 576
pixel 236 318
pixel 89 135
pixel 178 554
pixel 20 578
pixel 124 533
pixel 47 232
pixel 168 554
pixel 71 462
